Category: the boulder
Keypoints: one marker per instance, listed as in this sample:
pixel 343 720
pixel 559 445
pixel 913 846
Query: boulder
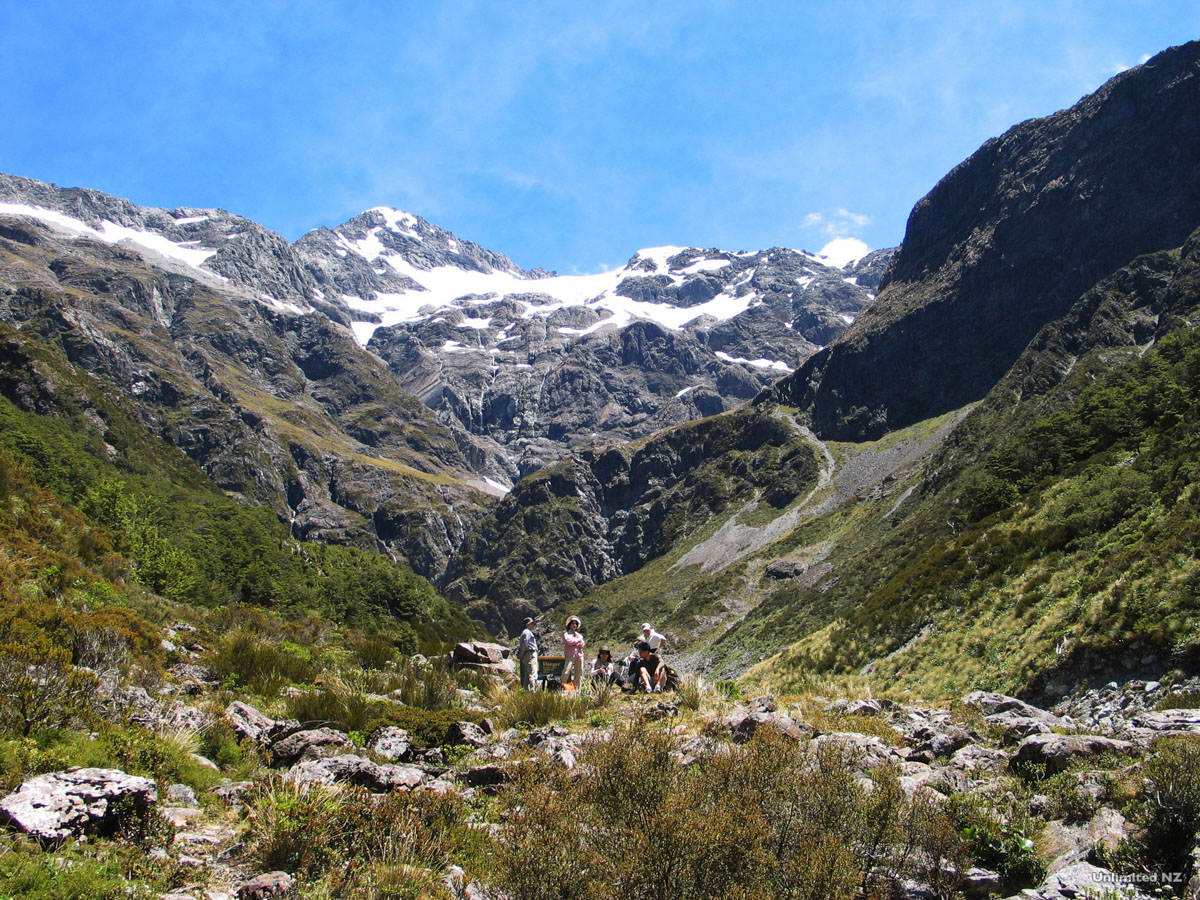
pixel 272 884
pixel 1169 721
pixel 355 770
pixel 975 759
pixel 310 744
pixel 488 776
pixel 181 795
pixel 248 722
pixel 391 742
pixel 1016 727
pixel 466 733
pixel 494 659
pixel 87 801
pixel 233 793
pixel 1056 751
pixel 990 704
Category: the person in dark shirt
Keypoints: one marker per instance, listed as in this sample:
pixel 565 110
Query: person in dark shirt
pixel 647 673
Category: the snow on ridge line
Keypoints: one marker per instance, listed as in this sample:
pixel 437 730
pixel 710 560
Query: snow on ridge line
pixel 776 364
pixel 111 233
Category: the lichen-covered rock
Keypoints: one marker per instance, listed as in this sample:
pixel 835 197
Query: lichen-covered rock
pixel 86 801
pixel 308 744
pixel 466 733
pixel 264 887
pixel 355 770
pixel 248 722
pixel 1056 751
pixel 391 742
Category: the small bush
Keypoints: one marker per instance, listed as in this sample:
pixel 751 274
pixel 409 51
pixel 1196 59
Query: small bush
pixel 1168 810
pixel 766 819
pixel 361 845
pixel 41 687
pixel 244 658
pixel 1000 836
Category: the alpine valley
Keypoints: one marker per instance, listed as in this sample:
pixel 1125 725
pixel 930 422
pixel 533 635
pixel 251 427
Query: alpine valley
pixel 921 529
pixel 985 472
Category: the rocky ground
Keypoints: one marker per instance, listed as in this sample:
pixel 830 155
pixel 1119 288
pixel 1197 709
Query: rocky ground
pixel 1065 775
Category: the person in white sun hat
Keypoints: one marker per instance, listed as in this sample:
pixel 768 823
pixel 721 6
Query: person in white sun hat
pixel 656 641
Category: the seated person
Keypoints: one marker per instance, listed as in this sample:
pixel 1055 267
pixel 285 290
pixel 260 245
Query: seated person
pixel 604 670
pixel 647 672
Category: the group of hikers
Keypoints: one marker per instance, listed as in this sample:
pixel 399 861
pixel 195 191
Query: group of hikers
pixel 642 670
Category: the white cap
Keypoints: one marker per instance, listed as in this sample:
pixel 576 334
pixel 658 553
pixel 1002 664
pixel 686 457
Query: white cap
pixel 646 626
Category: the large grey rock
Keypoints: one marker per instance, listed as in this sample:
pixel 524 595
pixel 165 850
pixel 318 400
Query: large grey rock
pixel 391 743
pixel 86 801
pixel 355 770
pixel 308 744
pixel 467 733
pixel 266 886
pixel 1055 752
pixel 1169 721
pixel 248 722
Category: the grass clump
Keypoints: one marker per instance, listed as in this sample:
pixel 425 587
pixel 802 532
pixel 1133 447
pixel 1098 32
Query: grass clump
pixel 351 844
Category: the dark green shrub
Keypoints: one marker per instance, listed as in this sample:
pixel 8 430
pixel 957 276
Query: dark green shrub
pixel 426 727
pixel 1000 836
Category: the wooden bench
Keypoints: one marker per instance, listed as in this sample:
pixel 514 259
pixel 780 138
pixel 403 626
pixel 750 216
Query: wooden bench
pixel 550 669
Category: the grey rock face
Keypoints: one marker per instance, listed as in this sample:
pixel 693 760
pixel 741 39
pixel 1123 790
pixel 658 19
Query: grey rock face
pixel 1055 752
pixel 86 801
pixel 248 722
pixel 391 743
pixel 263 887
pixel 467 733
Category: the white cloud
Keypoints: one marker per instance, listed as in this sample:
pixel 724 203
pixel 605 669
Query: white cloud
pixel 839 224
pixel 841 252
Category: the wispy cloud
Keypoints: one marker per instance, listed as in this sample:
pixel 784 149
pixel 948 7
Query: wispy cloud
pixel 838 224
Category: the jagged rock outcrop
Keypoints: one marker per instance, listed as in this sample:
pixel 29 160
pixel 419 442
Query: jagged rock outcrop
pixel 86 801
pixel 1006 243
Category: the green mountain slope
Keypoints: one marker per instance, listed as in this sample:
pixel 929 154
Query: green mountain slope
pixel 97 510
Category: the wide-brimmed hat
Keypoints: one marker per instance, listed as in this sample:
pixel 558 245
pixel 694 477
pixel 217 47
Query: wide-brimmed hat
pixel 528 621
pixel 646 626
pixel 574 619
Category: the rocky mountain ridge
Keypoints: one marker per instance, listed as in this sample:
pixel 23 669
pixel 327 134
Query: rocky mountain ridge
pixel 1006 242
pixel 533 363
pixel 239 348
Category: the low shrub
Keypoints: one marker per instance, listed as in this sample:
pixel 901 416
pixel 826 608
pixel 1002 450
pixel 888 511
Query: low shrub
pixel 1168 810
pixel 1000 835
pixel 766 819
pixel 357 844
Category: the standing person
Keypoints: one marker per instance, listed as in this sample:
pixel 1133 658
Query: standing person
pixel 657 642
pixel 527 656
pixel 573 643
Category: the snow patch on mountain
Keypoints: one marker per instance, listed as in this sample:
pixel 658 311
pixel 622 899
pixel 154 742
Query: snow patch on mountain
pixel 111 233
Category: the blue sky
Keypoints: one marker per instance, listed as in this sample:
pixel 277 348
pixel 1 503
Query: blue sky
pixel 565 134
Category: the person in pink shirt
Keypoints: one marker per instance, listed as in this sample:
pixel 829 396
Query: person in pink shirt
pixel 573 653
